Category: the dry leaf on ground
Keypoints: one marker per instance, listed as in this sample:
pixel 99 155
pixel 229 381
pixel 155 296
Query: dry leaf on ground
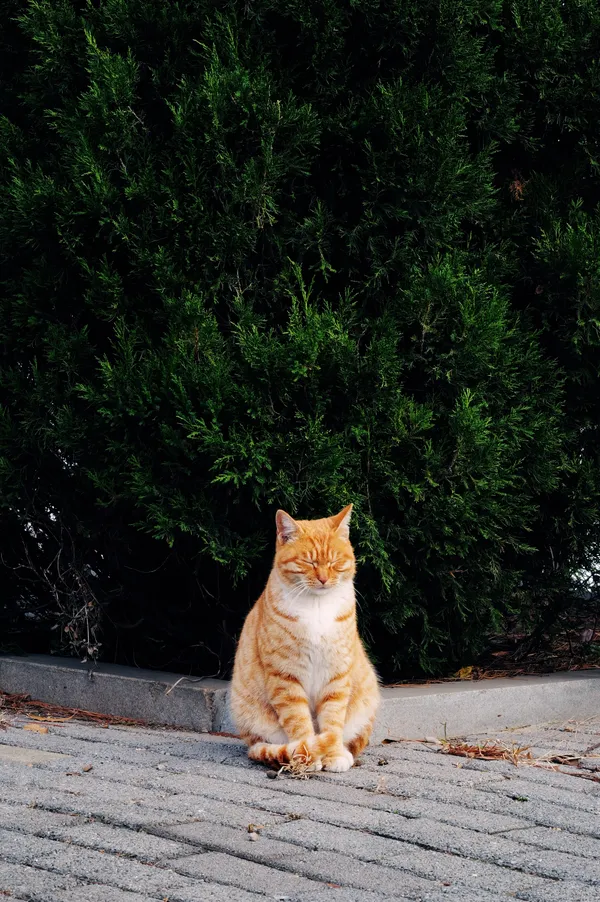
pixel 36 728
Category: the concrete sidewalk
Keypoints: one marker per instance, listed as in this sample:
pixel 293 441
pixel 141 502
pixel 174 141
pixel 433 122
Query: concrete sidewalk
pixel 92 814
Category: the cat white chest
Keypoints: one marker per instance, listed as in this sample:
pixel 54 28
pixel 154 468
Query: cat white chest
pixel 318 620
pixel 318 613
pixel 321 632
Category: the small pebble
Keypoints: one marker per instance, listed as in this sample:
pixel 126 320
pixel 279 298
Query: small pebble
pixel 253 837
pixel 382 762
pixel 272 774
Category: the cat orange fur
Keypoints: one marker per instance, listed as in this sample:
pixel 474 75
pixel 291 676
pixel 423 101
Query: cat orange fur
pixel 302 683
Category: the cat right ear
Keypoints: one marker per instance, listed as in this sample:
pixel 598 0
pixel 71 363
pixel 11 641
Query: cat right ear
pixel 287 528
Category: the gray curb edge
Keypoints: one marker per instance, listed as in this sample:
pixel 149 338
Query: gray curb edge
pixel 416 712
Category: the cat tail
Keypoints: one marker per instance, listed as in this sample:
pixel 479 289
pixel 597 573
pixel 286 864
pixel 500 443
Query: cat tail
pixel 294 754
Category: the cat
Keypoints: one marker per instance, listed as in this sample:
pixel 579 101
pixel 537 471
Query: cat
pixel 303 687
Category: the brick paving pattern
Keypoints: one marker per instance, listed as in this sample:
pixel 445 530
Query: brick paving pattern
pixel 164 815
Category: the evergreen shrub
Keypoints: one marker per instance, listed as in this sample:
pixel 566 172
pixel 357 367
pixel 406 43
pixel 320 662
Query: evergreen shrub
pixel 296 253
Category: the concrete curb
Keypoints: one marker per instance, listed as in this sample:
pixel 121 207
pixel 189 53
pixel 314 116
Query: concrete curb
pixel 406 712
pixel 153 696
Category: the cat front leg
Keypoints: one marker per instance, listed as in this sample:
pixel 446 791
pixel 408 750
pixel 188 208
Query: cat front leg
pixel 331 711
pixel 290 703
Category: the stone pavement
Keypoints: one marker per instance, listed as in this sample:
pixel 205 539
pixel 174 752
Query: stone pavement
pixel 123 814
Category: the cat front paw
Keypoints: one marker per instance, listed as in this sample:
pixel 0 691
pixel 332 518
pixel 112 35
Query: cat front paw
pixel 339 762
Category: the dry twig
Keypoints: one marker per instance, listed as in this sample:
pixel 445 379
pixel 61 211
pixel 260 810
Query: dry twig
pixel 301 765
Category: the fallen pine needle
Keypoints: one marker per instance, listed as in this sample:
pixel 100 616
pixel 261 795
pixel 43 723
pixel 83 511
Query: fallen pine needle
pixel 47 713
pixel 488 751
pixel 595 778
pixel 48 718
pixel 182 680
pixel 571 760
pixel 518 755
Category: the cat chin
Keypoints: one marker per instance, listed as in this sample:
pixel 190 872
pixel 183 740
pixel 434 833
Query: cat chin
pixel 322 590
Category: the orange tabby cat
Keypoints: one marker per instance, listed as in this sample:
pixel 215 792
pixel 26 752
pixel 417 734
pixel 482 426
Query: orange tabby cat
pixel 302 683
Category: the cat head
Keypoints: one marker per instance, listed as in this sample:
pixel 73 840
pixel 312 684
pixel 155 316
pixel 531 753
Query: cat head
pixel 314 555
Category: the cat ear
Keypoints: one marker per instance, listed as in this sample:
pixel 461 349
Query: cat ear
pixel 287 528
pixel 341 522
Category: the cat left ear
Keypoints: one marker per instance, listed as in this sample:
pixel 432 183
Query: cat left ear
pixel 287 528
pixel 341 522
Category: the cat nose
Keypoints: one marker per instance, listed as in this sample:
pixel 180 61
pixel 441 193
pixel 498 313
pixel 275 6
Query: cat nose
pixel 322 578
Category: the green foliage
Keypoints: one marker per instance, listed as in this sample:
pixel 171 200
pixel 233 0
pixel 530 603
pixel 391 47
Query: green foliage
pixel 292 254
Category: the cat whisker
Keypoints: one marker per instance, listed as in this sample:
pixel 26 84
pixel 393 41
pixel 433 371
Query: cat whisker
pixel 357 593
pixel 298 593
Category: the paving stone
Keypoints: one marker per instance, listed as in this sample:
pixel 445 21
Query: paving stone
pixel 331 867
pixel 403 825
pixel 454 894
pixel 560 840
pixel 131 815
pixel 520 783
pixel 136 815
pixel 34 820
pixel 439 866
pixel 502 798
pixel 559 865
pixel 100 893
pixel 408 807
pixel 83 752
pixel 23 755
pixel 87 864
pixel 22 881
pixel 456 773
pixel 171 810
pixel 513 793
pixel 133 805
pixel 564 891
pixel 137 844
pixel 338 894
pixel 208 891
pixel 218 782
pixel 310 860
pixel 247 874
pixel 35 884
pixel 533 792
pixel 537 775
pixel 433 789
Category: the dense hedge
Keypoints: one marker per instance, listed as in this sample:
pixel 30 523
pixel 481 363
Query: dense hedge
pixel 296 253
